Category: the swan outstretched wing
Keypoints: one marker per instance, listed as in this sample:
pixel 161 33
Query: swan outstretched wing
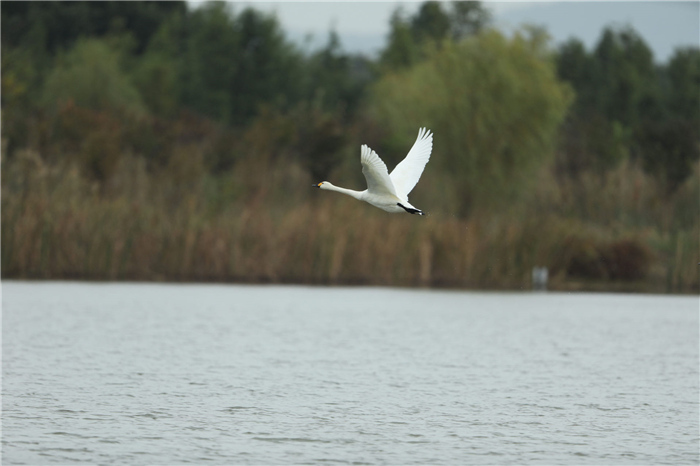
pixel 408 172
pixel 376 173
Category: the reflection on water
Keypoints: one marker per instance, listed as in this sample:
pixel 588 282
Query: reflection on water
pixel 142 373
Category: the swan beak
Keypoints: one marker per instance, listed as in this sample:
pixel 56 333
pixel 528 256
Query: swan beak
pixel 317 185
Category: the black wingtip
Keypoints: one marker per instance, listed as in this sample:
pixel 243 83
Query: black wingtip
pixel 410 210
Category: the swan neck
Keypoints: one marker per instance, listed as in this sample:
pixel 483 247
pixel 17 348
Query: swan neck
pixel 349 192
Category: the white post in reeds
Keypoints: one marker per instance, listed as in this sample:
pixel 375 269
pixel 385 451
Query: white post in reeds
pixel 539 278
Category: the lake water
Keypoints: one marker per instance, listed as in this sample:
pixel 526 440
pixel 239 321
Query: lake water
pixel 172 374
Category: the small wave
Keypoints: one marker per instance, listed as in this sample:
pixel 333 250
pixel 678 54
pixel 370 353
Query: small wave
pixel 233 409
pixel 71 434
pixel 290 439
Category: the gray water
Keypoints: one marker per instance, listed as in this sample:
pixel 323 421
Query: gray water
pixel 171 374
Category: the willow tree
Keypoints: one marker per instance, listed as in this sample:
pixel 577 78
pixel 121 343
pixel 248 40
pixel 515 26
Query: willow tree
pixel 495 105
pixel 90 75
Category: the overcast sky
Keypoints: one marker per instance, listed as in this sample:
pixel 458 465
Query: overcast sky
pixel 363 26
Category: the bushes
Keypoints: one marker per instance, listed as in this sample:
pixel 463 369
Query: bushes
pixel 624 259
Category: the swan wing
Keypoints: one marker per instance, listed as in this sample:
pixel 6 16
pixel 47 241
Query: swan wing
pixel 408 172
pixel 376 173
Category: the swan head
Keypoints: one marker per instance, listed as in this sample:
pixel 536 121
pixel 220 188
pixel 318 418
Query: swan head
pixel 323 185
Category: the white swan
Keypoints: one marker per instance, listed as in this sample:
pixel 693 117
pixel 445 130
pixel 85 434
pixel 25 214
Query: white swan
pixel 390 191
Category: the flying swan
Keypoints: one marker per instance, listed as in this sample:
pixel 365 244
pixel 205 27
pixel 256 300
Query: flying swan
pixel 390 191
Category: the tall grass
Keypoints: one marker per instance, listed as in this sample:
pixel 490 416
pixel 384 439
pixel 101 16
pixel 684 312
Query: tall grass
pixel 262 222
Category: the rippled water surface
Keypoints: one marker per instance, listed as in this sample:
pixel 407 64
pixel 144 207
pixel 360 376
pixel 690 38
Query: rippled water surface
pixel 169 374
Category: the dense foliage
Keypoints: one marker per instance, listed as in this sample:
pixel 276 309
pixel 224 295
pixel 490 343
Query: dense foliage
pixel 628 107
pixel 128 123
pixel 497 105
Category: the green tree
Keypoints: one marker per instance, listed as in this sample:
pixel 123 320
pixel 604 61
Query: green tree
pixel 156 77
pixel 401 50
pixel 626 77
pixel 430 22
pixel 267 66
pixel 90 76
pixel 231 64
pixel 683 91
pixel 576 66
pixel 668 146
pixel 410 38
pixel 495 105
pixel 335 80
pixel 161 71
pixel 208 62
pixel 57 25
pixel 617 92
pixel 468 18
pixel 591 139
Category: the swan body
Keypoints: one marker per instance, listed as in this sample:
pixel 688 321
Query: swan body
pixel 387 191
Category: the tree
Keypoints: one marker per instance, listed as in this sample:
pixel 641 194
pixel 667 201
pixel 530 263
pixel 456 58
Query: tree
pixel 267 66
pixel 90 76
pixel 618 97
pixel 625 77
pixel 430 22
pixel 335 80
pixel 617 80
pixel 668 146
pixel 401 50
pixel 231 64
pixel 683 76
pixel 495 104
pixel 57 25
pixel 591 140
pixel 431 25
pixel 576 66
pixel 468 18
pixel 208 63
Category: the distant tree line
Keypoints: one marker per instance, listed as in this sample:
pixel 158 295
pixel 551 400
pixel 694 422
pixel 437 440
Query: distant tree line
pixel 212 59
pixel 144 65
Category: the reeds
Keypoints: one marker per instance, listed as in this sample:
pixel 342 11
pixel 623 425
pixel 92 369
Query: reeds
pixel 141 226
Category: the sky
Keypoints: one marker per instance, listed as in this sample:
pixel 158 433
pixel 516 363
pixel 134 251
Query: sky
pixel 363 26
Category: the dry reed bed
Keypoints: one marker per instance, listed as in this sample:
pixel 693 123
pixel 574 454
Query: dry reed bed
pixel 57 225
